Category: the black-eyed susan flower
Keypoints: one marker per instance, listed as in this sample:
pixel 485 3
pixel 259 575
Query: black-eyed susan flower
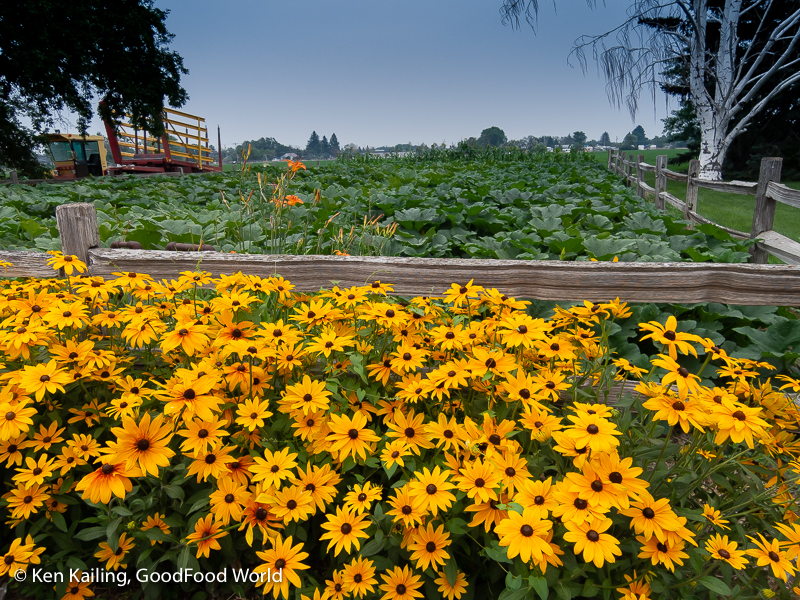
pixel 432 490
pixel 571 507
pixel 588 485
pixel 155 521
pixel 252 413
pixel 16 558
pixel 319 482
pixel 489 514
pixel 738 422
pixel 770 553
pixel 406 509
pixel 11 449
pixel 344 530
pixel 26 500
pixel 78 587
pixel 205 535
pixel 109 479
pixel 537 496
pixel 410 429
pixel 201 436
pixel 211 463
pixel 292 503
pixel 593 432
pixel 720 548
pixel 227 502
pixel 636 589
pixel 43 378
pixel 665 553
pixel 479 480
pixel 400 584
pixel 523 535
pixel 445 432
pixel 115 558
pixel 69 262
pixel 307 395
pixel 362 496
pixel 652 517
pixel 393 453
pixel 715 516
pixel 144 444
pixel 350 436
pixel 454 591
pixel 35 472
pixel 358 577
pixel 593 541
pixel 274 467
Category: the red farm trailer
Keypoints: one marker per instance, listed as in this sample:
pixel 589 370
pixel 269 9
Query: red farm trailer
pixel 183 147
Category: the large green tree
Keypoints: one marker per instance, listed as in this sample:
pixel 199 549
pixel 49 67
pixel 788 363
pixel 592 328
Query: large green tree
pixel 493 136
pixel 56 57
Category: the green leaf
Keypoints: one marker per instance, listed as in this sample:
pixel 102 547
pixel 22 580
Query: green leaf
pixel 513 594
pixel 539 584
pixel 373 547
pixel 451 571
pixel 58 520
pixel 715 585
pixel 498 553
pixel 174 491
pixel 91 533
pixel 457 526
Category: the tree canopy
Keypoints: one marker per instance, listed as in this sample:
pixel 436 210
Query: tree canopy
pixel 493 136
pixel 54 59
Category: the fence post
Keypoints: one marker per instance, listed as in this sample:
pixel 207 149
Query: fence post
pixel 610 154
pixel 77 227
pixel 618 162
pixel 691 191
pixel 764 213
pixel 639 176
pixel 661 180
pixel 623 168
pixel 14 177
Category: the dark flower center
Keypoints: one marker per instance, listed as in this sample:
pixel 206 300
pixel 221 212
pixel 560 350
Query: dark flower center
pixel 44 378
pixel 236 333
pixel 390 313
pixel 592 535
pixel 431 489
pixel 47 439
pixel 261 514
pixel 580 504
pixel 353 433
pixel 683 372
pixel 410 432
pixel 593 429
pixel 479 482
pixel 27 499
pixel 430 547
pixel 400 589
pixel 203 433
pixel 449 335
pixel 229 498
pixel 524 394
pixel 538 424
pixel 511 471
pixel 526 530
pixel 395 454
pixel 142 445
pixel 211 459
pixel 491 363
pixel 292 504
pixel 406 510
pixel 597 485
pixel 183 332
pixel 615 477
pixel 648 513
pixel 678 405
pixel 346 528
pixel 448 434
pixel 494 439
pixel 739 415
pixel 774 557
pixel 362 496
pixel 310 487
pixel 724 553
pixel 189 394
pixel 308 398
pixel 280 564
pixel 274 469
pixel 37 471
pixel 73 355
pixel 539 500
pixel 357 578
pixel 661 547
pixel 522 329
pixel 406 356
pixel 107 469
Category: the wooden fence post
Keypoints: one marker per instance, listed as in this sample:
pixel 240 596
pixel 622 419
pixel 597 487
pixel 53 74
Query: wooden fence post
pixel 764 213
pixel 14 177
pixel 624 167
pixel 691 191
pixel 639 176
pixel 610 155
pixel 618 162
pixel 661 181
pixel 77 227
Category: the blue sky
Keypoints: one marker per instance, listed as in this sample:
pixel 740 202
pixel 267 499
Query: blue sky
pixel 381 72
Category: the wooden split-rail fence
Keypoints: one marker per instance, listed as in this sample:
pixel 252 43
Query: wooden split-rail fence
pixel 768 191
pixel 684 282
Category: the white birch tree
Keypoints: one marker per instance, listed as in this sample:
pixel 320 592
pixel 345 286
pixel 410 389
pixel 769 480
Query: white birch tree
pixel 731 78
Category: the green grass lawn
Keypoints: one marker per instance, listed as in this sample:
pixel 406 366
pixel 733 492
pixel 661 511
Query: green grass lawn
pixel 731 210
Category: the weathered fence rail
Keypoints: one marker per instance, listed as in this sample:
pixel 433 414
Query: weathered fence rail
pixel 768 191
pixel 767 285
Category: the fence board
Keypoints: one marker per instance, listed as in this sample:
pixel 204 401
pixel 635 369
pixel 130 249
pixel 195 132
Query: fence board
pixel 745 188
pixel 681 177
pixel 647 188
pixel 770 285
pixel 781 246
pixel 784 194
pixel 25 264
pixel 672 200
pixel 697 218
pixel 648 168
